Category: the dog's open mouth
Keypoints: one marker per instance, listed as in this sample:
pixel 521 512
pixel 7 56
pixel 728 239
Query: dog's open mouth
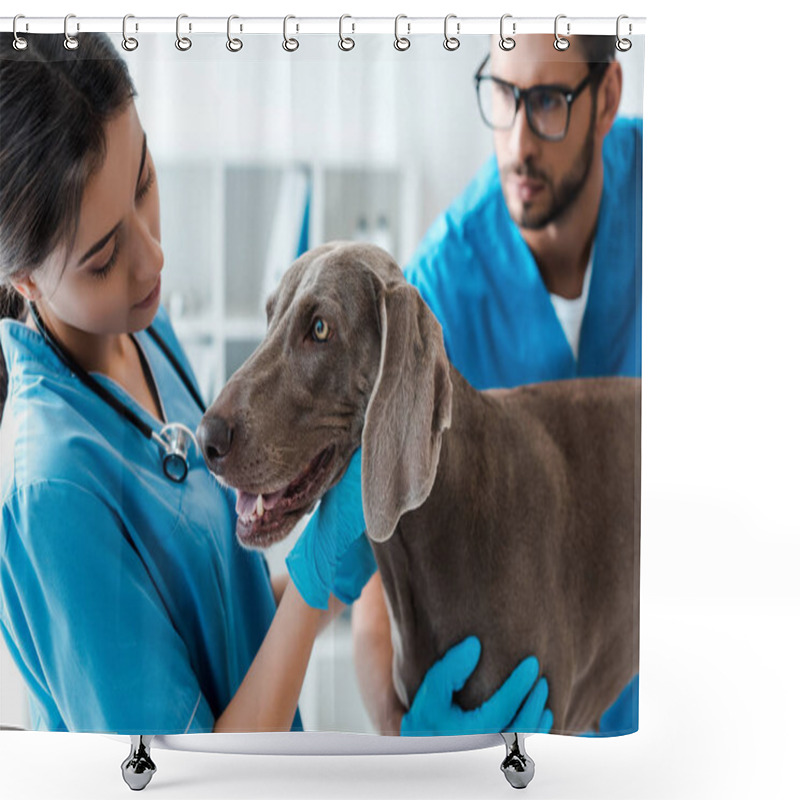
pixel 268 517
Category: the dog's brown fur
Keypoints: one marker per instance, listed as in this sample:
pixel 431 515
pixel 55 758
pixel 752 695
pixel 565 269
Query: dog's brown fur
pixel 511 515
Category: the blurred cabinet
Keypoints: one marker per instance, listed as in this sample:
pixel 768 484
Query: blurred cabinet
pixel 231 229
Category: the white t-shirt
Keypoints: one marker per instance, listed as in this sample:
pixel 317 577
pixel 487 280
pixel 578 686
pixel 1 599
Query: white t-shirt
pixel 570 311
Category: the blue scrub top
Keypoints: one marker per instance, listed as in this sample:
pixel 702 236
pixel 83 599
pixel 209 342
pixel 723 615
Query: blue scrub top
pixel 127 602
pixel 480 279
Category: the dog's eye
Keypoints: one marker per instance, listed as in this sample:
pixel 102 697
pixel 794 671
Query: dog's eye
pixel 320 330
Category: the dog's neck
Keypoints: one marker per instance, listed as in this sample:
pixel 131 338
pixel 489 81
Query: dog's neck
pixel 469 417
pixel 439 551
pixel 476 421
pixel 473 462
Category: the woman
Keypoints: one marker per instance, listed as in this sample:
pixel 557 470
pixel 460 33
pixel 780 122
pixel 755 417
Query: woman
pixel 126 602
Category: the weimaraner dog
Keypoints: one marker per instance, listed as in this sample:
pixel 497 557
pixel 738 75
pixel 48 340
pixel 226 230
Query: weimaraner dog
pixel 512 515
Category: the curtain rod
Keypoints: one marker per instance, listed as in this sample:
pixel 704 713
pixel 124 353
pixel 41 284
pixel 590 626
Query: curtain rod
pixel 406 26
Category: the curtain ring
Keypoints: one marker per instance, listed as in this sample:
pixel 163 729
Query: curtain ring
pixel 183 43
pixel 506 42
pixel 289 45
pixel 451 42
pixel 70 42
pixel 19 42
pixel 128 42
pixel 346 43
pixel 401 43
pixel 233 45
pixel 560 43
pixel 623 45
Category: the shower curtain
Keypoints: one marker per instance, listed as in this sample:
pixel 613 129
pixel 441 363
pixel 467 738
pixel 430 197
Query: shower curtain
pixel 502 178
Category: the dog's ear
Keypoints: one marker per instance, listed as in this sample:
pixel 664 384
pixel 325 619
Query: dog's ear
pixel 408 410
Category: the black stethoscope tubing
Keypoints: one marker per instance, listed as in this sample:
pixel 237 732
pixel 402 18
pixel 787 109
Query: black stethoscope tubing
pixel 118 406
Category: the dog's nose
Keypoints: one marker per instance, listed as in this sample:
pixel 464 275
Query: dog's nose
pixel 215 437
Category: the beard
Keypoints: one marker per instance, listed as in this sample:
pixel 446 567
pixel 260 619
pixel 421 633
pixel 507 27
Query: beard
pixel 562 195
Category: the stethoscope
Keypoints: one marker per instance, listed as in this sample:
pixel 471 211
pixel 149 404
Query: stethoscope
pixel 174 438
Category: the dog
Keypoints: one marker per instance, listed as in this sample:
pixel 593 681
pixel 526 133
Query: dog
pixel 511 515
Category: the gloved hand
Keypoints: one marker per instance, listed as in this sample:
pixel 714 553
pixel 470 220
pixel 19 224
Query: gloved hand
pixel 355 568
pixel 330 554
pixel 434 712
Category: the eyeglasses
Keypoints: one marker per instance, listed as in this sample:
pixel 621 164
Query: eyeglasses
pixel 547 107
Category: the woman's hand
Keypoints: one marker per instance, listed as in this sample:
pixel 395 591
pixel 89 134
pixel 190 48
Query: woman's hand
pixel 332 553
pixel 518 705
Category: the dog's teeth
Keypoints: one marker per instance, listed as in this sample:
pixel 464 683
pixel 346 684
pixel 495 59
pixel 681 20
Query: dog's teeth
pixel 260 505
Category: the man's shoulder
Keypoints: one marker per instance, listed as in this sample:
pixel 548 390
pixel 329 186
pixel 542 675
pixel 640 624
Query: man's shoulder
pixel 626 129
pixel 480 193
pixel 622 157
pixel 451 236
pixel 624 141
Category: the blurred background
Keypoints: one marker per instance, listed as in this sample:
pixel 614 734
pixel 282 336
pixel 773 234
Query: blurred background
pixel 262 154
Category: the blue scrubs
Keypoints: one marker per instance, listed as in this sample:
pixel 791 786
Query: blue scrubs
pixel 127 603
pixel 480 279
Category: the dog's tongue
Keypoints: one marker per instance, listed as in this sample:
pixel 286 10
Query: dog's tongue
pixel 246 502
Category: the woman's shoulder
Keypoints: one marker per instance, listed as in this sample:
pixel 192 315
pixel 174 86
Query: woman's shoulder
pixel 49 427
pixel 54 427
pixel 43 437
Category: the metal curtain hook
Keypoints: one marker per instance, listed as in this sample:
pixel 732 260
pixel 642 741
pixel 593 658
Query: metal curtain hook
pixel 70 42
pixel 128 42
pixel 623 45
pixel 346 43
pixel 289 45
pixel 560 43
pixel 451 42
pixel 183 43
pixel 19 42
pixel 234 45
pixel 401 43
pixel 506 42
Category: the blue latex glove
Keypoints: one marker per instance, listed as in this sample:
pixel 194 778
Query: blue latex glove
pixel 332 553
pixel 517 706
pixel 623 715
pixel 356 567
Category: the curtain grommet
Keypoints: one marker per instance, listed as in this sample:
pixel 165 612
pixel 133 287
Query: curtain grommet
pixel 129 43
pixel 70 42
pixel 401 43
pixel 183 43
pixel 289 44
pixel 560 42
pixel 19 43
pixel 451 43
pixel 345 42
pixel 507 42
pixel 623 45
pixel 234 45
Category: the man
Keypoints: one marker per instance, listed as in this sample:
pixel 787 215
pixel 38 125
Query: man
pixel 534 271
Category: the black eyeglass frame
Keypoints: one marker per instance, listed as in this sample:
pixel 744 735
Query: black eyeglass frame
pixel 521 95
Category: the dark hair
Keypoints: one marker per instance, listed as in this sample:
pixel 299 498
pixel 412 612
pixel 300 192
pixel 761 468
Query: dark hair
pixel 596 49
pixel 54 104
pixel 598 52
